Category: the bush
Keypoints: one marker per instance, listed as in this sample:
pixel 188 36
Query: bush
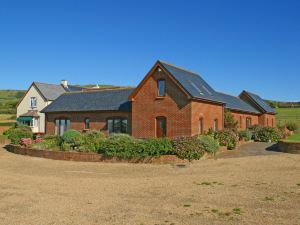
pixel 90 141
pixel 254 129
pixel 209 144
pixel 121 146
pixel 16 134
pixel 156 147
pixel 245 135
pixel 268 134
pixel 229 121
pixel 188 148
pixel 291 126
pixel 227 138
pixel 50 142
pixel 72 138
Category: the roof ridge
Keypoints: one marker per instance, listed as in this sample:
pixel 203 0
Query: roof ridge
pixel 178 67
pixel 97 90
pixel 37 82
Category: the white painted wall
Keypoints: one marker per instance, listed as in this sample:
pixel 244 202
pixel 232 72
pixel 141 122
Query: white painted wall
pixel 24 107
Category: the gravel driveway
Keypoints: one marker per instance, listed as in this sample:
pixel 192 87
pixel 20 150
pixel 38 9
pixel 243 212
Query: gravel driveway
pixel 251 149
pixel 244 190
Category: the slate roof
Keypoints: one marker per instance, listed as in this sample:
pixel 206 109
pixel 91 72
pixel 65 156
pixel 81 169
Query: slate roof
pixel 235 103
pixel 53 91
pixel 50 91
pixel 192 83
pixel 263 104
pixel 113 99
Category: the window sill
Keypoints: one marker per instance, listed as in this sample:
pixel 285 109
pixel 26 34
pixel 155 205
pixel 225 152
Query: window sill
pixel 160 97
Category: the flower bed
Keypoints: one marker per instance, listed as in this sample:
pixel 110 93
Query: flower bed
pixel 90 156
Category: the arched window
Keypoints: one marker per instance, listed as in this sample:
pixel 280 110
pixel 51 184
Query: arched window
pixel 161 126
pixel 241 121
pixel 200 126
pixel 87 122
pixel 216 125
pixel 248 122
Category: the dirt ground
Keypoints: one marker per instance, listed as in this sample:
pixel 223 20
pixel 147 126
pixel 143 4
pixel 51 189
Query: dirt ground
pixel 262 189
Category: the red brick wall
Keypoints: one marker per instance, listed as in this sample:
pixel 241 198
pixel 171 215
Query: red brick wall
pixel 98 120
pixel 241 118
pixel 175 106
pixel 267 120
pixel 208 112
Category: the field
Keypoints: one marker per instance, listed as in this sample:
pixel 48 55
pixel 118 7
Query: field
pixel 288 114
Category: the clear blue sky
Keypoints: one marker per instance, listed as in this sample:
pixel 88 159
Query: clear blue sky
pixel 234 45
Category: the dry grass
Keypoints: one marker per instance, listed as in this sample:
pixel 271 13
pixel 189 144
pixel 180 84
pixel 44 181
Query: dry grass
pixel 248 190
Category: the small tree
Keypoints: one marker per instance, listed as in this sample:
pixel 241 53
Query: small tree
pixel 229 121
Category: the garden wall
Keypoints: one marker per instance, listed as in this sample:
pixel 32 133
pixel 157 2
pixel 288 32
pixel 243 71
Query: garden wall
pixel 289 147
pixel 89 156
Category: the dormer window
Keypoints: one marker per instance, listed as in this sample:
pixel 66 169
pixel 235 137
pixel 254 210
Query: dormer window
pixel 161 86
pixel 33 102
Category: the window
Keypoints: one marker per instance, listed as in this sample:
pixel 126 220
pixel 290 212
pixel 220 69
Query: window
pixel 62 125
pixel 216 125
pixel 241 121
pixel 161 126
pixel 87 122
pixel 117 125
pixel 200 126
pixel 33 102
pixel 161 86
pixel 267 121
pixel 272 122
pixel 248 122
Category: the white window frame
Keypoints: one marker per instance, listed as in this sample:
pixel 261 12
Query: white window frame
pixel 33 102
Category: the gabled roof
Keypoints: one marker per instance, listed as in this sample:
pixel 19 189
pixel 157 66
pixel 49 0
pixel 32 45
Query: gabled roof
pixel 52 91
pixel 235 103
pixel 259 102
pixel 100 100
pixel 192 83
pixel 49 91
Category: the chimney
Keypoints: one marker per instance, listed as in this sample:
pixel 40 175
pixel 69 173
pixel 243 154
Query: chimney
pixel 64 83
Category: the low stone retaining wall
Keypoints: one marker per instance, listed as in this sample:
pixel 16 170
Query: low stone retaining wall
pixel 89 156
pixel 289 147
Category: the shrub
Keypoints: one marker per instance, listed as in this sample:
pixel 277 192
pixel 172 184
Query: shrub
pixel 245 135
pixel 268 134
pixel 48 142
pixel 229 121
pixel 121 146
pixel 291 126
pixel 25 141
pixel 227 138
pixel 156 147
pixel 209 144
pixel 188 148
pixel 72 138
pixel 255 129
pixel 91 141
pixel 16 134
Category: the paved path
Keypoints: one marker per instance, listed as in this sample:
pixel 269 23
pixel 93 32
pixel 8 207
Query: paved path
pixel 251 149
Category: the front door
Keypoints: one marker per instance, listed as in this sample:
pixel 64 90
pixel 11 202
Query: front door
pixel 161 126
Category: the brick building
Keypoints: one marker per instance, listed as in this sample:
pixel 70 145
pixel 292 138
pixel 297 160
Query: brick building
pixel 169 101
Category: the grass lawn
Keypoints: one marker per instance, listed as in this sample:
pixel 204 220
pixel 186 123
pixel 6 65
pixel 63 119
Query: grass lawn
pixel 288 114
pixel 294 138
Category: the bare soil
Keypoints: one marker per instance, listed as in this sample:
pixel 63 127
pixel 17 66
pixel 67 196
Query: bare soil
pixel 262 189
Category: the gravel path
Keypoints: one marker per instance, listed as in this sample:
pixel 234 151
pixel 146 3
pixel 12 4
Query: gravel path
pixel 245 190
pixel 251 149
